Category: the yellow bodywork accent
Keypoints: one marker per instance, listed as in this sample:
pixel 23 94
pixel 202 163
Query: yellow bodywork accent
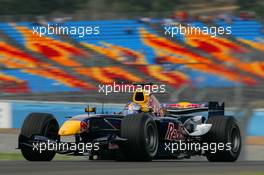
pixel 70 127
pixel 145 109
pixel 141 103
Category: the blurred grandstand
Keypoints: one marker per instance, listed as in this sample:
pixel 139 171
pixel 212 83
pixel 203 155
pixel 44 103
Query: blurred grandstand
pixel 69 68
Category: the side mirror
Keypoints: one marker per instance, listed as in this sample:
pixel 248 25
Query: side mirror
pixel 89 109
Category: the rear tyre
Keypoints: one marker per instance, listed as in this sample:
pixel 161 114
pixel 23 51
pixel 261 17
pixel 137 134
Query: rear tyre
pixel 141 133
pixel 41 124
pixel 224 131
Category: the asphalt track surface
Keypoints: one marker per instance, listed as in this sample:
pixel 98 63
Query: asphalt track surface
pixel 130 168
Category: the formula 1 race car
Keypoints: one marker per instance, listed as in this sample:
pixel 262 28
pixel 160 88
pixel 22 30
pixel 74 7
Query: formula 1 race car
pixel 143 131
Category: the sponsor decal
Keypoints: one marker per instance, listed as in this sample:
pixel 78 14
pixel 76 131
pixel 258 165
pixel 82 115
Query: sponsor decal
pixel 174 132
pixel 185 105
pixel 84 126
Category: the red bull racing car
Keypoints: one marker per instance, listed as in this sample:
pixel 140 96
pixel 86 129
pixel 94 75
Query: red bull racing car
pixel 143 131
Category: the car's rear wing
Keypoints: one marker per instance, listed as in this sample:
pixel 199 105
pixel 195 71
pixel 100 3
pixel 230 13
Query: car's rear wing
pixel 213 108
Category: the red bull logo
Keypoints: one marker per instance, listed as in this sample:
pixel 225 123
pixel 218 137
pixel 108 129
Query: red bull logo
pixel 174 132
pixel 84 126
pixel 184 105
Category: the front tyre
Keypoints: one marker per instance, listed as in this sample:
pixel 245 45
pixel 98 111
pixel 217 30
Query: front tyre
pixel 141 133
pixel 41 124
pixel 225 131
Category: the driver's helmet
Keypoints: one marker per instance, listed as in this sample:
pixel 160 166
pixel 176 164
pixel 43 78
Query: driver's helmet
pixel 131 108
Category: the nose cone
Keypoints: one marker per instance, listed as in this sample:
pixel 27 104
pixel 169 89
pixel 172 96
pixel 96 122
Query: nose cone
pixel 70 127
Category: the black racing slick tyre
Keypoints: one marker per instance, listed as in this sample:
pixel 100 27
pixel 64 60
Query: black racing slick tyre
pixel 224 131
pixel 141 133
pixel 41 124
